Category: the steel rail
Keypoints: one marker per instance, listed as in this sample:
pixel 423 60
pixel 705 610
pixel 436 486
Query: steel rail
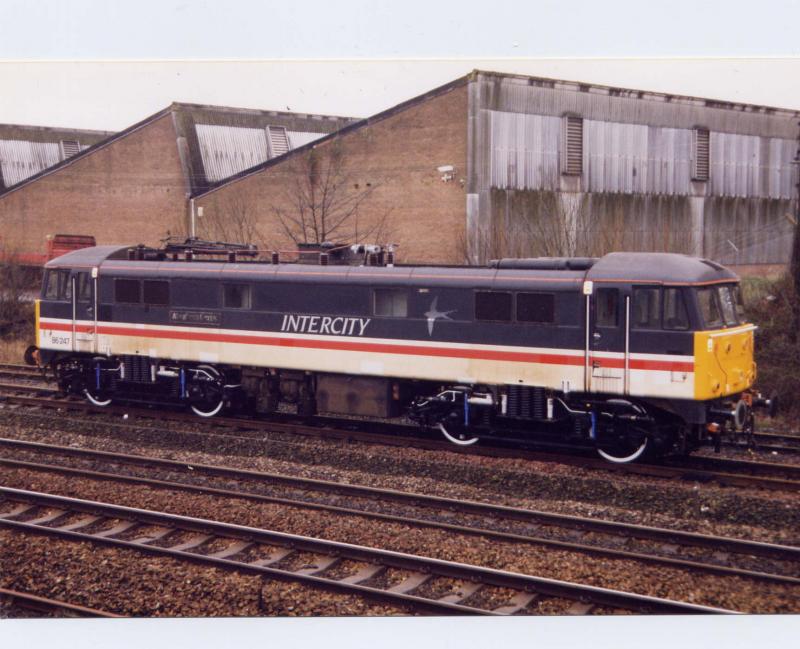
pixel 423 568
pixel 46 604
pixel 405 436
pixel 503 513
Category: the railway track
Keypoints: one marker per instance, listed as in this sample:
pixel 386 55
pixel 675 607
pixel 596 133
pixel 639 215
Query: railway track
pixel 46 605
pixel 737 473
pixel 22 372
pixel 652 545
pixel 412 582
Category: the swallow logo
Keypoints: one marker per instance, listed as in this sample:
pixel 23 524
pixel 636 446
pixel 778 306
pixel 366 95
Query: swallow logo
pixel 433 314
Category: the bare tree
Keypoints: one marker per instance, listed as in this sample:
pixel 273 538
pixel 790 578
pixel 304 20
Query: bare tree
pixel 554 224
pixel 324 202
pixel 233 221
pixel 550 225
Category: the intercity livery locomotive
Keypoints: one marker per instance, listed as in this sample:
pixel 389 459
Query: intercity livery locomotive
pixel 631 354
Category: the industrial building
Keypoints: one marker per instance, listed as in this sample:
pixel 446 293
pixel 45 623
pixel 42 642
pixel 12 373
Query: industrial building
pixel 498 164
pixel 487 165
pixel 135 185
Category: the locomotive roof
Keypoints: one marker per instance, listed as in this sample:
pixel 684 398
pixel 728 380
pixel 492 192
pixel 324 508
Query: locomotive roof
pixel 658 267
pixel 618 267
pixel 85 257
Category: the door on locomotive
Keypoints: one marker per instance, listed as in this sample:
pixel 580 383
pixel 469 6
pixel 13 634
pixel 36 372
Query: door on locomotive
pixel 619 436
pixel 607 350
pixel 84 307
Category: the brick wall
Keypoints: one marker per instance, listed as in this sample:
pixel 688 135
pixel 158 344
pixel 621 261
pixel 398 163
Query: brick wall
pixel 393 161
pixel 130 191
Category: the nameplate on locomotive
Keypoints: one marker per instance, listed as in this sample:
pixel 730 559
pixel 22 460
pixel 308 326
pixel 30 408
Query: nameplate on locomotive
pixel 202 318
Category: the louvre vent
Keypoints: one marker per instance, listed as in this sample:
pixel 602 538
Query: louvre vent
pixel 572 161
pixel 277 140
pixel 69 148
pixel 701 149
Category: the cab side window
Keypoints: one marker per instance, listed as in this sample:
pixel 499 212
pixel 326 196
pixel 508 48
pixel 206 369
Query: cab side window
pixel 647 308
pixel 84 282
pixel 709 308
pixel 58 285
pixel 676 317
pixel 51 285
pixel 607 307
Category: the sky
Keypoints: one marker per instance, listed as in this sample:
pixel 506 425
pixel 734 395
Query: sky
pixel 107 65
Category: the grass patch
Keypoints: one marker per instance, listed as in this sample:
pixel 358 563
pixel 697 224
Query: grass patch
pixel 12 349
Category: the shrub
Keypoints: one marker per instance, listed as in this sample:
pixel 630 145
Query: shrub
pixel 770 304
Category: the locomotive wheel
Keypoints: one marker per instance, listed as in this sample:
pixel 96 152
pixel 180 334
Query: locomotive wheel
pixel 97 396
pixel 213 398
pixel 634 447
pixel 460 438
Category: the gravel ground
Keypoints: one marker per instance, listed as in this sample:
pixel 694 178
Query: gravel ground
pixel 131 583
pixel 750 513
pixel 744 513
pixel 305 495
pixel 736 593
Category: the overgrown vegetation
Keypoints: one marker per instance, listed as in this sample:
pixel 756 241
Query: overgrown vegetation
pixel 770 304
pixel 17 285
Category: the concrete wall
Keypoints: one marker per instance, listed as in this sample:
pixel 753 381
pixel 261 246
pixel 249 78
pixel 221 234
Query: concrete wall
pixel 131 190
pixel 392 160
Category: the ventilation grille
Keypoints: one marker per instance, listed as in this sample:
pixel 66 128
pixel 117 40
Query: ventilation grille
pixel 702 154
pixel 277 140
pixel 69 148
pixel 573 146
pixel 137 369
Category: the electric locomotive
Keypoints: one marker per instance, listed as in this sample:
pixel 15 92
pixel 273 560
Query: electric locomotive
pixel 631 354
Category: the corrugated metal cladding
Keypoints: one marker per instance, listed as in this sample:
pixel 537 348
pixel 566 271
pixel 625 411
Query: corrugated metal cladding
pixel 635 158
pixel 547 97
pixel 227 150
pixel 743 165
pixel 657 172
pixel 20 160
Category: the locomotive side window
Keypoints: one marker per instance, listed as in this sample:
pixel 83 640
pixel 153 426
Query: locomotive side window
pixel 647 308
pixel 237 296
pixel 84 287
pixel 52 284
pixel 127 291
pixel 607 307
pixel 709 309
pixel 391 302
pixel 536 307
pixel 737 294
pixel 65 290
pixel 728 302
pixel 156 292
pixel 676 317
pixel 493 306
